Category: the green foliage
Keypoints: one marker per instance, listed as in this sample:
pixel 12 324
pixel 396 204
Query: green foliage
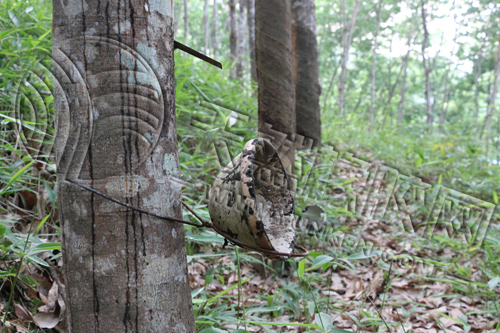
pixel 207 105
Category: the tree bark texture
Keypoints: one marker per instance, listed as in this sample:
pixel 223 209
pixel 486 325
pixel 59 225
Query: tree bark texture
pixel 308 89
pixel 276 94
pixel 251 37
pixel 115 108
pixel 374 63
pixel 346 45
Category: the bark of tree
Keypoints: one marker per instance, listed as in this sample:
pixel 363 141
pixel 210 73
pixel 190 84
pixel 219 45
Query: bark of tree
pixel 186 21
pixel 374 62
pixel 308 89
pixel 427 70
pixel 494 91
pixel 114 103
pixel 251 37
pixel 206 26
pixel 347 40
pixel 215 28
pixel 233 36
pixel 274 58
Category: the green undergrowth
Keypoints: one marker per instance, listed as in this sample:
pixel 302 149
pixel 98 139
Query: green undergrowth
pixel 216 115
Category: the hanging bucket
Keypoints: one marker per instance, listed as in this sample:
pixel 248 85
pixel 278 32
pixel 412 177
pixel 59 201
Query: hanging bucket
pixel 251 200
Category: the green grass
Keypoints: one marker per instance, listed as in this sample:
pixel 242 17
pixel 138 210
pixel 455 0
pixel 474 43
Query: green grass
pixel 225 298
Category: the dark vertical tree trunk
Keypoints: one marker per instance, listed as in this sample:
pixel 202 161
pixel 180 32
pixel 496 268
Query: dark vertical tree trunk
pixel 215 28
pixel 348 31
pixel 233 36
pixel 206 27
pixel 186 21
pixel 114 103
pixel 374 63
pixel 308 89
pixel 251 37
pixel 273 45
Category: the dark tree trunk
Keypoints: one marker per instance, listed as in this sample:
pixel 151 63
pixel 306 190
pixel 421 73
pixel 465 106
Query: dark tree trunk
pixel 251 37
pixel 273 45
pixel 308 89
pixel 233 36
pixel 114 103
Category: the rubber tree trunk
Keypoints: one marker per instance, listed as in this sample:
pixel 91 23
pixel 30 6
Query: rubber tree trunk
pixel 206 26
pixel 276 94
pixel 114 103
pixel 308 89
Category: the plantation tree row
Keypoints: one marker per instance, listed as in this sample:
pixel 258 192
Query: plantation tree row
pixel 421 63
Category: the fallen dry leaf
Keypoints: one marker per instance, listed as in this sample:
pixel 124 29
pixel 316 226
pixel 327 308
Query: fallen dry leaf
pixel 22 313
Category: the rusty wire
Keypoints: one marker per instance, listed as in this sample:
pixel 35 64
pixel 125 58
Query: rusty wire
pixel 204 223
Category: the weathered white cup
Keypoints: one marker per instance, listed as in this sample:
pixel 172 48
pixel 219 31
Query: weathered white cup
pixel 251 200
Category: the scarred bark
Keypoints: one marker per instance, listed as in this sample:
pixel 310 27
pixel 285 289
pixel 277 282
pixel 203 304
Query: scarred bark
pixel 273 44
pixel 308 89
pixel 114 102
